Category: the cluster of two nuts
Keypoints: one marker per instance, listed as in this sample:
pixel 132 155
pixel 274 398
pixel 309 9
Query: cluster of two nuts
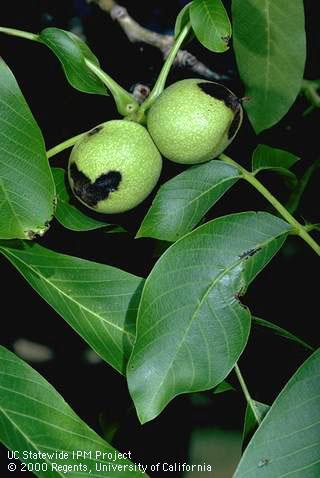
pixel 115 166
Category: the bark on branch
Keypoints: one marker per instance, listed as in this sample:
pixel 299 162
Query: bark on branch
pixel 135 32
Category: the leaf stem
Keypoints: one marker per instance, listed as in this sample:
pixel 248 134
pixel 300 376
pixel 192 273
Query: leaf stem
pixel 247 394
pixel 64 145
pixel 125 102
pixel 299 229
pixel 162 78
pixel 20 33
pixel 281 332
pixel 312 227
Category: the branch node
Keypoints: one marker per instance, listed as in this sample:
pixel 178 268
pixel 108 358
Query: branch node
pixel 118 12
pixel 137 33
pixel 140 92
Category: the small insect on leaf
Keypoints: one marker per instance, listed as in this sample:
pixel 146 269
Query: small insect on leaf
pixel 226 39
pixel 263 462
pixel 239 294
pixel 249 253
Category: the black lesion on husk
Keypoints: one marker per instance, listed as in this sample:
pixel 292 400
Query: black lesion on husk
pixel 220 92
pixel 92 193
pixel 235 124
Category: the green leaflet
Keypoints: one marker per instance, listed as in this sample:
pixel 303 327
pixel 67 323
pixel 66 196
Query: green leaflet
pixel 182 202
pixel 98 301
pixel 35 418
pixel 270 48
pixel 288 441
pixel 191 327
pixel 211 24
pixel 250 421
pixel 72 53
pixel 266 158
pixel 182 20
pixel 26 185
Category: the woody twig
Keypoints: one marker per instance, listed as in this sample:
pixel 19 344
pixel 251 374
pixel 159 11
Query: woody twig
pixel 136 33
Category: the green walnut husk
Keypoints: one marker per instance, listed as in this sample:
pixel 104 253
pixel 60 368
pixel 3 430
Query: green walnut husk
pixel 114 167
pixel 194 120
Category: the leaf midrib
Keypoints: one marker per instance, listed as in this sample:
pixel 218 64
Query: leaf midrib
pixel 14 212
pixel 193 317
pixel 65 63
pixel 207 191
pixel 214 21
pixel 205 295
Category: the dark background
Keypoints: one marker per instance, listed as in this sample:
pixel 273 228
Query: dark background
pixel 285 293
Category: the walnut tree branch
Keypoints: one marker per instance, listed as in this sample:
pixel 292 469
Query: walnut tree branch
pixel 135 32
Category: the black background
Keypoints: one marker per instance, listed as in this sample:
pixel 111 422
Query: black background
pixel 285 293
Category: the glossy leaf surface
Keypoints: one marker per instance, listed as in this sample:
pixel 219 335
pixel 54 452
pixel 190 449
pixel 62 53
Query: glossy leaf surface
pixel 34 419
pixel 26 185
pixel 270 48
pixel 211 24
pixel 182 20
pixel 288 441
pixel 266 158
pixel 72 53
pixel 98 301
pixel 182 202
pixel 191 327
pixel 250 420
